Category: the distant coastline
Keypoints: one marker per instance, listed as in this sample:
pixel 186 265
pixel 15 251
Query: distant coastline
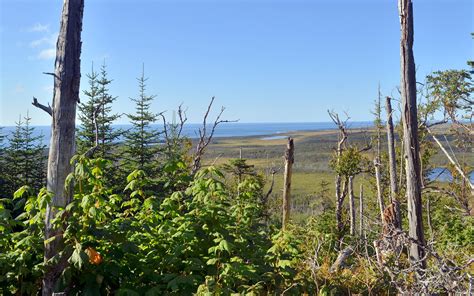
pixel 225 130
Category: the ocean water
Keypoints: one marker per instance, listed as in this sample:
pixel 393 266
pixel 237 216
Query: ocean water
pixel 444 175
pixel 234 129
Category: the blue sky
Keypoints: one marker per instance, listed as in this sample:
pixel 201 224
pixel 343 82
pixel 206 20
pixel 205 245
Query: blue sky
pixel 265 61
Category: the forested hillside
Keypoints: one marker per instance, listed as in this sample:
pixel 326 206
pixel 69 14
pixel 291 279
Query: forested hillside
pixel 149 211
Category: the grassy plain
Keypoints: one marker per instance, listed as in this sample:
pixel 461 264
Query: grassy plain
pixel 313 151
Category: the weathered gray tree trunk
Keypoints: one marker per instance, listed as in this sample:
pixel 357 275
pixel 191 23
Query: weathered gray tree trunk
pixel 377 163
pixel 391 151
pixel 340 193
pixel 352 206
pixel 361 212
pixel 379 188
pixel 410 133
pixel 392 163
pixel 340 196
pixel 62 147
pixel 289 160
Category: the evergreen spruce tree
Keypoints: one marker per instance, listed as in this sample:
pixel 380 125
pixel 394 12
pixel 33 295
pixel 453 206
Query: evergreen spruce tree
pixel 108 136
pixel 141 140
pixel 25 158
pixel 98 104
pixel 85 138
pixel 34 167
pixel 14 159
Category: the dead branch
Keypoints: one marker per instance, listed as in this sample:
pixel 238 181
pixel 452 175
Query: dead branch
pixel 52 74
pixel 182 119
pixel 204 137
pixel 46 109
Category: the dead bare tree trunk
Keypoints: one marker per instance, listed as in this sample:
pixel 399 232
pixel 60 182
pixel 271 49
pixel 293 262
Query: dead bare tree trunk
pixel 62 147
pixel 340 193
pixel 352 206
pixel 289 160
pixel 392 164
pixel 410 134
pixel 361 212
pixel 340 196
pixel 391 151
pixel 379 188
pixel 377 163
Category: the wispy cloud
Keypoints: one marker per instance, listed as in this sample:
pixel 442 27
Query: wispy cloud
pixel 47 40
pixel 47 54
pixel 38 27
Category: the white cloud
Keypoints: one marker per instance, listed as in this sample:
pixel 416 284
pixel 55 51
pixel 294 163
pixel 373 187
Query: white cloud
pixel 39 28
pixel 47 40
pixel 47 54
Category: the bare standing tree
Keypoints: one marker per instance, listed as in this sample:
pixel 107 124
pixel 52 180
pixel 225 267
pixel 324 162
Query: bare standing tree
pixel 340 192
pixel 392 163
pixel 377 162
pixel 62 147
pixel 410 134
pixel 289 160
pixel 352 206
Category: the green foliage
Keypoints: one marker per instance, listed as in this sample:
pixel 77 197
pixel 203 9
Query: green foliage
pixel 99 106
pixel 350 163
pixel 21 244
pixel 204 239
pixel 24 159
pixel 451 90
pixel 85 137
pixel 141 140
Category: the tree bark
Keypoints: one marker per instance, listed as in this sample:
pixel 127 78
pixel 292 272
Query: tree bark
pixel 377 163
pixel 379 189
pixel 289 160
pixel 391 151
pixel 392 164
pixel 340 196
pixel 410 134
pixel 62 145
pixel 361 212
pixel 352 206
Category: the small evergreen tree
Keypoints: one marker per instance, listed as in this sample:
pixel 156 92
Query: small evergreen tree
pixel 99 107
pixel 14 159
pixel 108 136
pixel 86 133
pixel 141 140
pixel 25 158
